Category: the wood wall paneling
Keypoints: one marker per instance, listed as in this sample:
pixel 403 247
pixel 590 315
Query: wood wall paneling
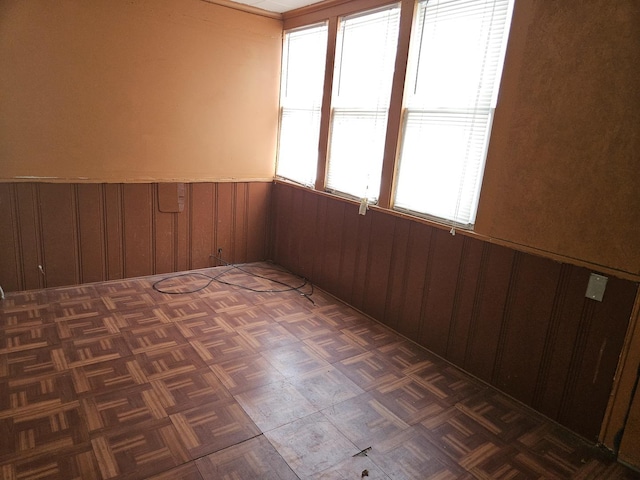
pixel 379 263
pixel 516 320
pixel 10 257
pixel 58 218
pixel 28 226
pixel 94 232
pixel 91 232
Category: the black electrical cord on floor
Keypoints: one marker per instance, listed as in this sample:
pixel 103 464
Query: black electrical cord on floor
pixel 287 288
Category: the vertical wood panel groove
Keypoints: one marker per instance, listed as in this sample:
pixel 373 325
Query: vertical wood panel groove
pixel 18 236
pixel 551 336
pixel 456 297
pixel 506 317
pixel 576 358
pixel 477 301
pixel 42 260
pixel 123 240
pixel 425 290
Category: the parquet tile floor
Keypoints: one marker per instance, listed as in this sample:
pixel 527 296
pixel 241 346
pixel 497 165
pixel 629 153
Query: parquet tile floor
pixel 118 381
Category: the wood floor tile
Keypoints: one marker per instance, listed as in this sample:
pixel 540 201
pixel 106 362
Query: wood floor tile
pixel 40 361
pixel 369 334
pixel 408 399
pixel 369 369
pixel 255 458
pixel 42 428
pixel 28 338
pixel 334 347
pixel 311 444
pixel 115 380
pixel 81 352
pixel 273 405
pixel 266 337
pixel 28 392
pixel 156 338
pixel 202 327
pixel 210 427
pixel 222 347
pixel 75 463
pixel 304 325
pixel 445 382
pixel 355 467
pixel 364 420
pixel 102 377
pixel 294 359
pixel 90 327
pixel 246 373
pixel 410 455
pixel 500 415
pixel 189 389
pixel 407 355
pixel 24 316
pixel 114 410
pixel 325 386
pixel 167 363
pixel 138 454
pixel 186 471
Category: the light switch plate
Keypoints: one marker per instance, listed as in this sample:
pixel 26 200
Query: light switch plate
pixel 596 287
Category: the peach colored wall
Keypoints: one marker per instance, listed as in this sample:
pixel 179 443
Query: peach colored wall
pixel 145 90
pixel 563 170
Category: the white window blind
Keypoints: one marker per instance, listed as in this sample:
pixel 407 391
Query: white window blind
pixel 455 64
pixel 301 88
pixel 364 65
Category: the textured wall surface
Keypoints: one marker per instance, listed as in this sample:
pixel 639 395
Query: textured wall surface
pixel 562 170
pixel 123 91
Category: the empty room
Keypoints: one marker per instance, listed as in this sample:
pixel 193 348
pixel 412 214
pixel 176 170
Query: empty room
pixel 353 239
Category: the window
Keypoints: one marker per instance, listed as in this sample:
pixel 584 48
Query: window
pixel 455 64
pixel 301 89
pixel 363 73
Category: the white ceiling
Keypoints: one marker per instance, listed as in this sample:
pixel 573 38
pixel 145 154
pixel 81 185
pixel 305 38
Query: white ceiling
pixel 278 6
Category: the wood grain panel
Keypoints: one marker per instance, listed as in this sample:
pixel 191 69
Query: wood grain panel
pixel 319 245
pixel 93 232
pixel 418 253
pixel 465 301
pixel 492 290
pixel 348 254
pixel 379 263
pixel 9 260
pixel 164 237
pixel 445 254
pixel 224 220
pixel 59 234
pixel 533 286
pixel 202 224
pixel 240 222
pixel 596 352
pixel 362 257
pixel 305 250
pixel 28 226
pixel 113 228
pixel 397 279
pixel 258 214
pixel 333 246
pixel 91 238
pixel 137 234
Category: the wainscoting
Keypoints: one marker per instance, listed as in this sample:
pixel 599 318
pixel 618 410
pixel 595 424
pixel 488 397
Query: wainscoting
pixel 83 233
pixel 515 320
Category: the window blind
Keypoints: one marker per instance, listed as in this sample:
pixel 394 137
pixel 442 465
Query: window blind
pixel 301 90
pixel 364 66
pixel 455 63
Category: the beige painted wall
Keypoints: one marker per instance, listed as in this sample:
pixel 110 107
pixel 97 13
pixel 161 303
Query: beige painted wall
pixel 115 90
pixel 563 170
